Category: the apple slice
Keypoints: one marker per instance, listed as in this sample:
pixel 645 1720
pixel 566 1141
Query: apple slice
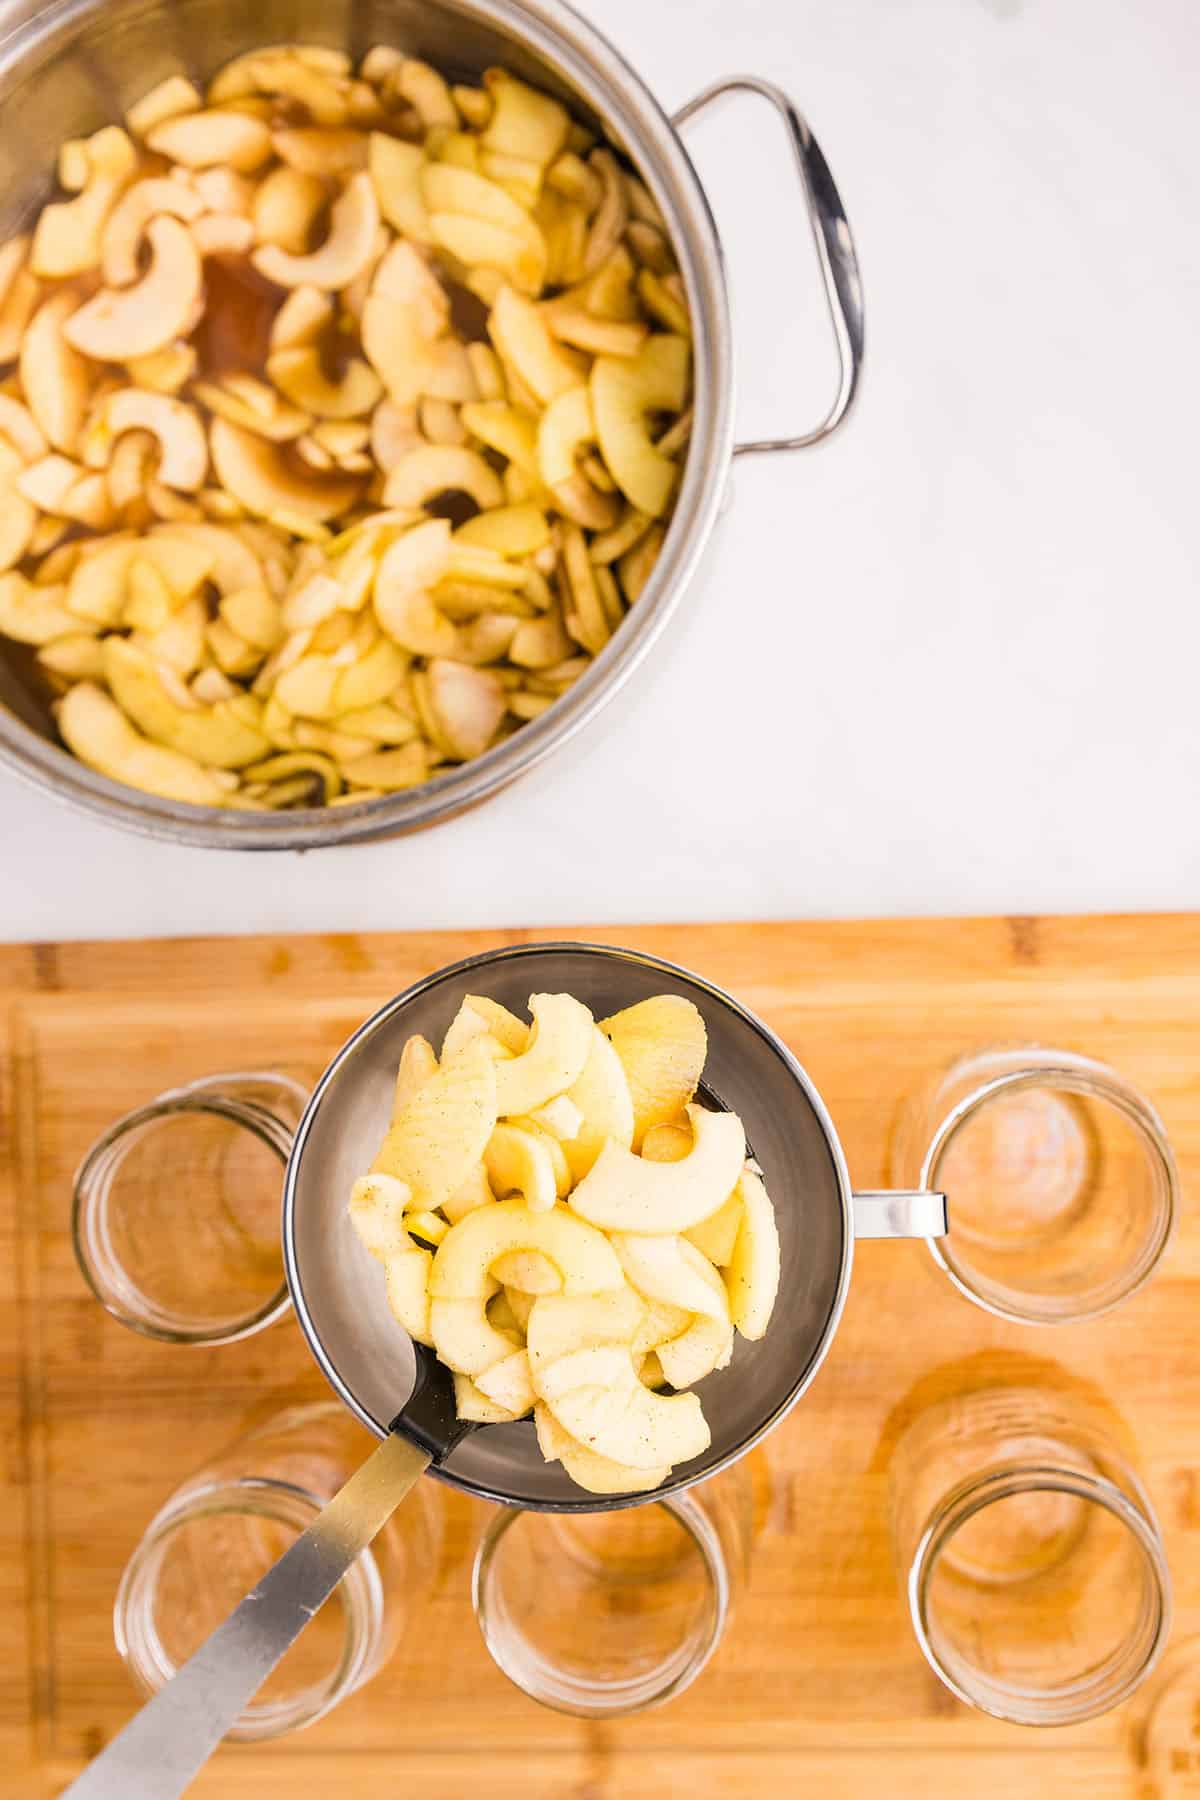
pixel 474 1192
pixel 671 1270
pixel 625 390
pixel 752 1278
pixel 520 1304
pixel 518 1162
pixel 467 1024
pixel 554 1060
pixel 707 1344
pixel 583 1256
pixel 560 1324
pixel 661 1322
pixel 596 1474
pixel 609 1411
pixel 465 1338
pixel 408 1291
pixel 508 1384
pixel 602 1096
pixel 512 1032
pixel 417 1064
pixel 560 1117
pixel 716 1236
pixel 662 1044
pixel 624 1192
pixel 441 1133
pixel 553 1147
pixel 529 1271
pixel 377 1208
pixel 470 1402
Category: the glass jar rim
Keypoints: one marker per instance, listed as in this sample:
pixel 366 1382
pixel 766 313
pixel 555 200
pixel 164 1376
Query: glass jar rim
pixel 102 1270
pixel 360 1592
pixel 1066 1072
pixel 674 1674
pixel 1126 1668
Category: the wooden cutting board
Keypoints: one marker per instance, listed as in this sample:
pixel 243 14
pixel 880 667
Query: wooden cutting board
pixel 818 1687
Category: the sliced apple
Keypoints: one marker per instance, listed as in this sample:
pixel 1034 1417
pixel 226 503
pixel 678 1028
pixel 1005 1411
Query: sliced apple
pixel 377 1207
pixel 559 1324
pixel 34 615
pixel 560 1117
pixel 662 1044
pixel 596 1474
pixel 507 1383
pixel 395 169
pixel 707 1344
pixel 466 706
pixel 463 1335
pixel 625 391
pixel 596 1396
pixel 522 338
pixel 512 1032
pixel 101 736
pixel 716 1236
pixel 474 1192
pixel 254 473
pixel 566 428
pixel 55 379
pixel 299 373
pixel 517 1162
pixel 69 232
pixel 121 323
pixel 661 1322
pixel 436 1139
pixel 470 1402
pixel 672 1271
pixel 182 450
pixel 626 1192
pixel 528 1272
pixel 558 1049
pixel 752 1278
pixel 221 735
pixel 346 252
pixel 407 1275
pixel 583 1256
pixel 601 1094
pixel 524 122
pixel 204 140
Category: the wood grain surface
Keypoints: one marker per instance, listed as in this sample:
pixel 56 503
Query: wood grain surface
pixel 818 1686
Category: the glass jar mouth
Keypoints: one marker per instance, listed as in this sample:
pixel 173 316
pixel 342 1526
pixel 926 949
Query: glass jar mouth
pixel 360 1592
pixel 1082 1076
pixel 95 1254
pixel 553 1687
pixel 1073 1701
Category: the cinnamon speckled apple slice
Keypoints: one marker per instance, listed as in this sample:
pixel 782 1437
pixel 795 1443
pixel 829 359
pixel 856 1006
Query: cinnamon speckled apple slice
pixel 662 1044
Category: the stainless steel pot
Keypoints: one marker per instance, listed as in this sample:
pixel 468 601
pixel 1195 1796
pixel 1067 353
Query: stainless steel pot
pixel 70 67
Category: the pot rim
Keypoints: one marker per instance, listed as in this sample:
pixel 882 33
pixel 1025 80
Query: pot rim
pixel 589 65
pixel 507 953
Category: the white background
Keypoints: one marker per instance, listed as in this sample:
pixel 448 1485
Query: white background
pixel 947 663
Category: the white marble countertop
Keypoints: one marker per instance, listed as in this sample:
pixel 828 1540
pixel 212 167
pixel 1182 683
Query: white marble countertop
pixel 946 663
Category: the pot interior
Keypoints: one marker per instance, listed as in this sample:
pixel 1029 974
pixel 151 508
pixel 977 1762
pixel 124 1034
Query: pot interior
pixel 338 1289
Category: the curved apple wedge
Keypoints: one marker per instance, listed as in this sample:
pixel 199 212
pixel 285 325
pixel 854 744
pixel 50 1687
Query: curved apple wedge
pixel 465 1338
pixel 596 1395
pixel 582 1255
pixel 707 1344
pixel 624 1192
pixel 435 1140
pixel 662 1043
pixel 407 1276
pixel 602 1096
pixel 518 1162
pixel 554 1060
pixel 598 1474
pixel 671 1272
pixel 561 1323
pixel 508 1383
pixel 752 1278
pixel 377 1207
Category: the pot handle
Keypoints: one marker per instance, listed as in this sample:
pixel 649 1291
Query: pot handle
pixel 835 250
pixel 894 1213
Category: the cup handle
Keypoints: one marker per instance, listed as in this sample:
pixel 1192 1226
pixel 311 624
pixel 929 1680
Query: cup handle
pixel 897 1213
pixel 838 258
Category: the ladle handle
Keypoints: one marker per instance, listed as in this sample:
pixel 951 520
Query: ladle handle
pixel 895 1213
pixel 165 1745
